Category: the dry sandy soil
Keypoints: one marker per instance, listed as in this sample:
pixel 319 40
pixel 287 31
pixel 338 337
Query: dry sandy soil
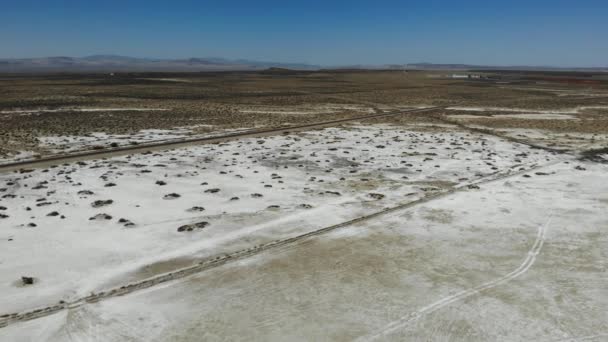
pixel 485 220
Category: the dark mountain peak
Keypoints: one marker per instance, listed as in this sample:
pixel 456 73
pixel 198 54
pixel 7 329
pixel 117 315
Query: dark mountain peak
pixel 60 59
pixel 202 61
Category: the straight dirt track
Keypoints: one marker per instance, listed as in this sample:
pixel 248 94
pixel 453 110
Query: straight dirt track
pixel 175 143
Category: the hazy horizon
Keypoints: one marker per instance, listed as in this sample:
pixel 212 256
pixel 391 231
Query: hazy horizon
pixel 237 59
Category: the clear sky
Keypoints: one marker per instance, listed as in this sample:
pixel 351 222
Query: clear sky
pixel 491 32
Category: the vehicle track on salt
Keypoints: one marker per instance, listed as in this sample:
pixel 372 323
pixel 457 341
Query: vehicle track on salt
pixel 445 120
pixel 174 143
pixel 207 264
pixel 443 302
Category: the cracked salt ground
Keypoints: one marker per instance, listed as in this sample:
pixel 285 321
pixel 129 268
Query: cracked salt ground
pixel 251 191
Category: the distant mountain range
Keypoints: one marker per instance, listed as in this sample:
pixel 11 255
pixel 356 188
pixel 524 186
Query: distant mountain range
pixel 113 63
pixel 110 63
pixel 431 66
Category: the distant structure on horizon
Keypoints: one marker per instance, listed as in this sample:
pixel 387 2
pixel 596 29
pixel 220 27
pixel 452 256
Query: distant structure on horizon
pixel 471 76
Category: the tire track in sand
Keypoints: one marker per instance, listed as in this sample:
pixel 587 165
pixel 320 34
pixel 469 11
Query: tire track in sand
pixel 443 302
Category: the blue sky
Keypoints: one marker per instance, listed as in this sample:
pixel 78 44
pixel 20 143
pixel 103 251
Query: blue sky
pixel 497 32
